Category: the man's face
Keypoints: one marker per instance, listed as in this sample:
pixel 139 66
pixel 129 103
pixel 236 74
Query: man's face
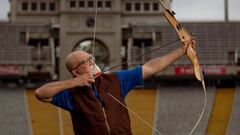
pixel 84 65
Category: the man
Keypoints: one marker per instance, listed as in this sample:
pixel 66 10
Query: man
pixel 87 95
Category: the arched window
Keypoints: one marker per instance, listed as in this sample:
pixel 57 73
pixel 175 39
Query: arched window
pixel 101 52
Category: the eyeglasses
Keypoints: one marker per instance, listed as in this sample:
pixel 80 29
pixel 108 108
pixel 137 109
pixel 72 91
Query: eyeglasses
pixel 89 59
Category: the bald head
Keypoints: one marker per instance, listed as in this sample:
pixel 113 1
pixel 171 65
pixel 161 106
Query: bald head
pixel 74 58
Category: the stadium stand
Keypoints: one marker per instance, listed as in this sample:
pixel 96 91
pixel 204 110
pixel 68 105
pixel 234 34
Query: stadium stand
pixel 14 112
pixel 21 55
pixel 11 51
pixel 234 121
pixel 217 42
pixel 178 109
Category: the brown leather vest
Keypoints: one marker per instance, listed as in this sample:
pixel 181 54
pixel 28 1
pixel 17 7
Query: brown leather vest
pixel 92 118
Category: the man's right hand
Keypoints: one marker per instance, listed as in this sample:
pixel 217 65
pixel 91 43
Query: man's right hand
pixel 85 79
pixel 47 91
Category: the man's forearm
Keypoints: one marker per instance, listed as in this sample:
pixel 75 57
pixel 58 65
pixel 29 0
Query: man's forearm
pixel 47 91
pixel 158 64
pixel 50 89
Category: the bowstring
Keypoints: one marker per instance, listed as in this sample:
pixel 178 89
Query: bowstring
pixel 135 114
pixel 93 53
pixel 94 28
pixel 130 110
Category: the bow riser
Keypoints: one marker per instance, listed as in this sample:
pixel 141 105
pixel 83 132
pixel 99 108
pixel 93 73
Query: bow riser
pixel 192 56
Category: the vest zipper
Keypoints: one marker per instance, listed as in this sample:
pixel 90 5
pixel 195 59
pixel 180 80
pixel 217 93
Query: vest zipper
pixel 107 124
pixel 105 116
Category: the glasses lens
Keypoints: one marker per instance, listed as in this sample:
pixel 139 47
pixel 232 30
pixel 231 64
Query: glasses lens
pixel 92 58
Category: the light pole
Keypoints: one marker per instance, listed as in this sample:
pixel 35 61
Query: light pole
pixel 226 10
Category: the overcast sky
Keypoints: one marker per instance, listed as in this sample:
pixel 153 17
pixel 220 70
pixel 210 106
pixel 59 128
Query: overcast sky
pixel 186 10
pixel 205 10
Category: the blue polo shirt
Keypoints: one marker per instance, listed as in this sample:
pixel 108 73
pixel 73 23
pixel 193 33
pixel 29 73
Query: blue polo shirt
pixel 128 79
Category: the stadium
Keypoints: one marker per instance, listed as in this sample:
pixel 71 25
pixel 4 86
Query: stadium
pixel 40 34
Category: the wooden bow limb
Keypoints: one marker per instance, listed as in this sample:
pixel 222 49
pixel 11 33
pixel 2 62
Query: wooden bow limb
pixel 185 38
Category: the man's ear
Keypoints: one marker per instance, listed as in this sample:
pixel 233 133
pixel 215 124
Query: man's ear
pixel 75 73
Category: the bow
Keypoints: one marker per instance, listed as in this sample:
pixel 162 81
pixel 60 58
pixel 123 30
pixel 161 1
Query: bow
pixel 185 38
